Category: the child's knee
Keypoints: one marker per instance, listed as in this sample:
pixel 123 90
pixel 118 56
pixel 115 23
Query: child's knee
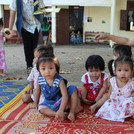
pixel 72 90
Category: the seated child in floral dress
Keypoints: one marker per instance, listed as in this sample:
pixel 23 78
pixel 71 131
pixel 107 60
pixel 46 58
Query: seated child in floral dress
pixel 120 102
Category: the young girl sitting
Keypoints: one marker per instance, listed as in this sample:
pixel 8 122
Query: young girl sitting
pixel 120 104
pixel 94 81
pixel 53 86
pixel 28 95
pixel 119 50
pixel 2 51
pixel 78 37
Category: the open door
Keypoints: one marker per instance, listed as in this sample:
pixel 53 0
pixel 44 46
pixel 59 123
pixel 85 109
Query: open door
pixel 62 27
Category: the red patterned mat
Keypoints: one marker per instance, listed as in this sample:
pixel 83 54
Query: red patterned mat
pixel 18 119
pixel 85 123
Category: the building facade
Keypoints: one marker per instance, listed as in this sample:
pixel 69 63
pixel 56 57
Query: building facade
pixel 86 16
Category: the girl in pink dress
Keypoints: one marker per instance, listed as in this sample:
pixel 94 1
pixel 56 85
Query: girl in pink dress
pixel 120 104
pixel 2 51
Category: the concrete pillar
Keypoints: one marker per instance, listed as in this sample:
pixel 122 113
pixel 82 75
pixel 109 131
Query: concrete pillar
pixel 112 20
pixel 1 11
pixel 53 25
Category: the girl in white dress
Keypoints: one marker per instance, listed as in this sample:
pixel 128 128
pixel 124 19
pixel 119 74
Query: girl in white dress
pixel 120 104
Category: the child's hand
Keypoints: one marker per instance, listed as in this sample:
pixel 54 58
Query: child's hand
pixel 30 91
pixel 60 115
pixel 33 106
pixel 86 101
pixel 12 32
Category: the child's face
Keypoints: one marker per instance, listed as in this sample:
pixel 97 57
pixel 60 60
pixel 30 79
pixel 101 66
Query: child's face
pixel 115 55
pixel 94 73
pixel 123 72
pixel 47 70
pixel 36 56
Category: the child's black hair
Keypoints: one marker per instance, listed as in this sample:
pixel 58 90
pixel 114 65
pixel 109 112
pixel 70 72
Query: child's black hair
pixel 44 48
pixel 123 50
pixel 95 61
pixel 1 21
pixel 124 59
pixel 48 57
pixel 110 67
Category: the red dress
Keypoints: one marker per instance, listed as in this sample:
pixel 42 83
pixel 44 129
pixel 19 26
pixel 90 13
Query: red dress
pixel 92 92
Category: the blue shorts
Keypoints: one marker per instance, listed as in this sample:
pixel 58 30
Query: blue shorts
pixel 70 89
pixel 56 105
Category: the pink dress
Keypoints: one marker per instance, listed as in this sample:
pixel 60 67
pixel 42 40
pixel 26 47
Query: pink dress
pixel 121 102
pixel 2 53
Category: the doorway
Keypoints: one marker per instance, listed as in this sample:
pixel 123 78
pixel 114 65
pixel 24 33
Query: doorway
pixel 76 23
pixel 62 27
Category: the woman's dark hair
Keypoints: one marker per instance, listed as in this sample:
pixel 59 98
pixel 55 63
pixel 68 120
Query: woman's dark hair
pixel 110 67
pixel 123 50
pixel 48 57
pixel 95 61
pixel 122 60
pixel 1 21
pixel 45 21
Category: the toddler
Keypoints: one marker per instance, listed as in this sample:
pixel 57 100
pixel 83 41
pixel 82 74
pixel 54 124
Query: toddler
pixel 78 37
pixel 2 51
pixel 94 81
pixel 73 37
pixel 120 103
pixel 28 96
pixel 53 86
pixel 119 50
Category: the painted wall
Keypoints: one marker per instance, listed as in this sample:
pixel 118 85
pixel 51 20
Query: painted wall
pixel 100 19
pixel 121 5
pixel 99 14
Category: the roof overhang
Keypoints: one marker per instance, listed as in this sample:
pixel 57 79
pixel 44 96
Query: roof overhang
pixel 103 3
pixel 5 2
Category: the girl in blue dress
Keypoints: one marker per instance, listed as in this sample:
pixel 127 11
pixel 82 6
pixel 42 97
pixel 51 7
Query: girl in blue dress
pixel 54 87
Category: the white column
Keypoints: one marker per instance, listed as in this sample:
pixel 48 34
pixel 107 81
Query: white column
pixel 53 25
pixel 1 11
pixel 112 20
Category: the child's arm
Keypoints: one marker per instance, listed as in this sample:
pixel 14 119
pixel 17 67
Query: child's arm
pixel 30 91
pixel 102 90
pixel 109 91
pixel 84 95
pixel 60 113
pixel 37 95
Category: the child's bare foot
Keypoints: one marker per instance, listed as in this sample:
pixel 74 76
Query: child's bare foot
pixel 78 109
pixel 64 116
pixel 71 116
pixel 93 108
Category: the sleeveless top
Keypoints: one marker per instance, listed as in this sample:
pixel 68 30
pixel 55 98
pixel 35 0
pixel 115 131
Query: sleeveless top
pixel 51 93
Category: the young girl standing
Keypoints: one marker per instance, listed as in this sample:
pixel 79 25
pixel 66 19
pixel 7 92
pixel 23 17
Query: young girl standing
pixel 53 86
pixel 94 81
pixel 120 104
pixel 2 51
